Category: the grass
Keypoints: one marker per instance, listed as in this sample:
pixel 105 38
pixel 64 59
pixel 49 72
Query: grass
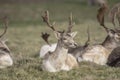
pixel 24 39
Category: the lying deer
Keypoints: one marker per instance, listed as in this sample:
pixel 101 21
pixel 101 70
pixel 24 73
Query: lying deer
pixel 5 57
pixel 99 53
pixel 46 48
pixel 114 57
pixel 78 50
pixel 59 59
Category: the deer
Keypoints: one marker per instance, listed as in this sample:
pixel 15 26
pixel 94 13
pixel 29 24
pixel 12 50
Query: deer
pixel 76 52
pixel 5 53
pixel 59 59
pixel 99 53
pixel 114 57
pixel 46 48
pixel 79 49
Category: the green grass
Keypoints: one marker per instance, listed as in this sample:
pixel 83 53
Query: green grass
pixel 24 39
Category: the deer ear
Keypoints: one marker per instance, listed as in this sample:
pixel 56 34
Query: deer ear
pixel 57 34
pixel 73 34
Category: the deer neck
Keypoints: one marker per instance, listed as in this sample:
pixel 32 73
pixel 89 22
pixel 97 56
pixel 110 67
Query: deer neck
pixel 109 43
pixel 60 48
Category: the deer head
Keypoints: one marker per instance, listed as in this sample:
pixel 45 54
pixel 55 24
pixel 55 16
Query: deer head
pixel 65 37
pixel 113 38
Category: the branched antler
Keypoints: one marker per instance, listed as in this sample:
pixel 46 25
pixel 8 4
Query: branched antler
pixel 118 17
pixel 46 20
pixel 100 16
pixel 45 37
pixel 5 19
pixel 70 24
pixel 115 13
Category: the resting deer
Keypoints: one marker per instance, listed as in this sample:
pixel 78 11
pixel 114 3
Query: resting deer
pixel 78 50
pixel 5 58
pixel 46 48
pixel 114 57
pixel 99 53
pixel 59 59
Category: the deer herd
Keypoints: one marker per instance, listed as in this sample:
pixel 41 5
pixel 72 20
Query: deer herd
pixel 66 54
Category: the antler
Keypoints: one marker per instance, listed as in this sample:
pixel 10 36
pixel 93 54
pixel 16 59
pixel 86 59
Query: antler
pixel 88 41
pixel 5 25
pixel 46 20
pixel 45 37
pixel 115 12
pixel 118 18
pixel 70 24
pixel 100 16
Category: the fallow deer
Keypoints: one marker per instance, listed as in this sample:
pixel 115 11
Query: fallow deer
pixel 114 57
pixel 78 50
pixel 59 59
pixel 5 54
pixel 99 53
pixel 46 48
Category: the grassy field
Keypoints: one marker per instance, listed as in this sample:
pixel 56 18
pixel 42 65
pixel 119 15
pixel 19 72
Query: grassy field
pixel 24 41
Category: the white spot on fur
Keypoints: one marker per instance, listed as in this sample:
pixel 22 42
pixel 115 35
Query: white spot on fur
pixel 5 61
pixel 46 48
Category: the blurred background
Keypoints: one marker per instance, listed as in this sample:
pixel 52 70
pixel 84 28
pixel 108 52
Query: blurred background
pixel 25 12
